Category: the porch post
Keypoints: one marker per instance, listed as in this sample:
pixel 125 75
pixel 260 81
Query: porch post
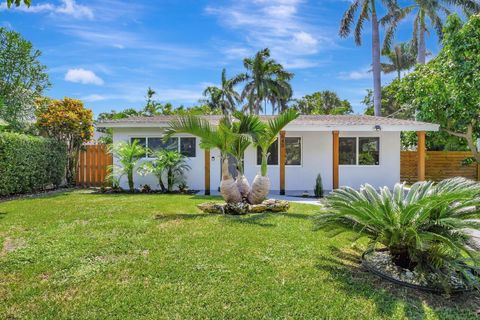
pixel 336 159
pixel 421 156
pixel 282 162
pixel 207 172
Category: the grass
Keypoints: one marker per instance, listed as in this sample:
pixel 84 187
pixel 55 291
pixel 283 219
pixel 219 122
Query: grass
pixel 89 256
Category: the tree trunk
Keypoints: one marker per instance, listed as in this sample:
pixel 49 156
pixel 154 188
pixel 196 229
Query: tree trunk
pixel 260 189
pixel 131 186
pixel 243 185
pixel 422 50
pixel 170 180
pixel 377 80
pixel 470 140
pixel 228 187
pixel 162 185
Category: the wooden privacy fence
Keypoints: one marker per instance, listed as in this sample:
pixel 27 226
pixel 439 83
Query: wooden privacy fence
pixel 439 165
pixel 92 165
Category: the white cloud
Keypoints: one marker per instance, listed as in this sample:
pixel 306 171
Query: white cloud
pixel 68 7
pixel 83 76
pixel 280 25
pixel 355 74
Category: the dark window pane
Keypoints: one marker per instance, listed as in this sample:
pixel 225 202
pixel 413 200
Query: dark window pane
pixel 348 151
pixel 156 144
pixel 293 151
pixel 188 147
pixel 273 155
pixel 141 141
pixel 368 153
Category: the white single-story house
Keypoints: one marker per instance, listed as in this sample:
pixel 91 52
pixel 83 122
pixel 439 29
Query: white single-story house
pixel 347 150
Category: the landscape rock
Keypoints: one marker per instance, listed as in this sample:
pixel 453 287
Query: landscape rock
pixel 241 208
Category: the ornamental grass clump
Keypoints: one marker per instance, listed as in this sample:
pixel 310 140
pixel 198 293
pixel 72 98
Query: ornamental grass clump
pixel 426 229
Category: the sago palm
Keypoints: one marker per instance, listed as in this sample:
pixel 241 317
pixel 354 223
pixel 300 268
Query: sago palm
pixel 128 155
pixel 266 79
pixel 224 97
pixel 264 139
pixel 423 10
pixel 367 11
pixel 426 228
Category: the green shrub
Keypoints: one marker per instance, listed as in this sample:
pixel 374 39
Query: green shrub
pixel 30 163
pixel 318 186
pixel 426 228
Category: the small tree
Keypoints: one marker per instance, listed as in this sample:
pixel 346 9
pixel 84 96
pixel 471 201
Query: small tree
pixel 128 155
pixel 447 89
pixel 318 186
pixel 23 78
pixel 68 121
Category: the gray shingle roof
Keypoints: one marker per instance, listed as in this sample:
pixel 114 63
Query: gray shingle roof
pixel 327 120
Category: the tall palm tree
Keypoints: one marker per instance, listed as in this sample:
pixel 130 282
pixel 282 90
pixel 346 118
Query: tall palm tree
pixel 401 58
pixel 225 97
pixel 424 10
pixel 367 11
pixel 266 79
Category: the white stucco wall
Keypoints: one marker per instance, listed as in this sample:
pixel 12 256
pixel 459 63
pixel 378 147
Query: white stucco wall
pixel 387 173
pixel 317 157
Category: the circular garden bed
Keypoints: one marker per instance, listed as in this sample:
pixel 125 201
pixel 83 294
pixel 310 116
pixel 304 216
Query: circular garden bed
pixel 380 263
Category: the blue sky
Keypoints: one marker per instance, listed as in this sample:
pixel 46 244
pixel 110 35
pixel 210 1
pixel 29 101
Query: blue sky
pixel 109 52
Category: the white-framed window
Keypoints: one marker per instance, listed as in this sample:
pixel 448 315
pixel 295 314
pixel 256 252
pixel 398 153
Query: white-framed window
pixel 185 145
pixel 363 151
pixel 293 151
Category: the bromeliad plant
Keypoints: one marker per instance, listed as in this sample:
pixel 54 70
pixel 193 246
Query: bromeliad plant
pixel 425 228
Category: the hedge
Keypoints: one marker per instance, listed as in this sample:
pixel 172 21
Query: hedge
pixel 30 163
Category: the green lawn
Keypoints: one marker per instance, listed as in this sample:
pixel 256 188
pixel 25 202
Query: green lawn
pixel 88 256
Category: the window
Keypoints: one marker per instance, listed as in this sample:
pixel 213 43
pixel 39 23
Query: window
pixel 348 151
pixel 293 150
pixel 272 157
pixel 187 147
pixel 368 153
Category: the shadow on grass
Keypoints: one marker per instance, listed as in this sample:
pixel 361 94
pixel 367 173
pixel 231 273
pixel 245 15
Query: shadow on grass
pixel 2 215
pixel 344 266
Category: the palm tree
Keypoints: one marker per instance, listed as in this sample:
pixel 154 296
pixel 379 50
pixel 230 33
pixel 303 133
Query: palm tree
pixel 220 137
pixel 368 11
pixel 223 98
pixel 128 155
pixel 402 58
pixel 264 139
pixel 424 9
pixel 266 80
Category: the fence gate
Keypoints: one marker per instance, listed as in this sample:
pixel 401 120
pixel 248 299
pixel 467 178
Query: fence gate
pixel 92 165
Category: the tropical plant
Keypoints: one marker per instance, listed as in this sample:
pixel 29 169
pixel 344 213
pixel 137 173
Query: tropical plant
pixel 368 12
pixel 17 3
pixel 169 162
pixel 23 78
pixel 322 102
pixel 267 80
pixel 425 228
pixel 447 89
pixel 401 58
pixel 425 9
pixel 318 186
pixel 128 155
pixel 225 97
pixel 263 140
pixel 67 121
pixel 232 138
